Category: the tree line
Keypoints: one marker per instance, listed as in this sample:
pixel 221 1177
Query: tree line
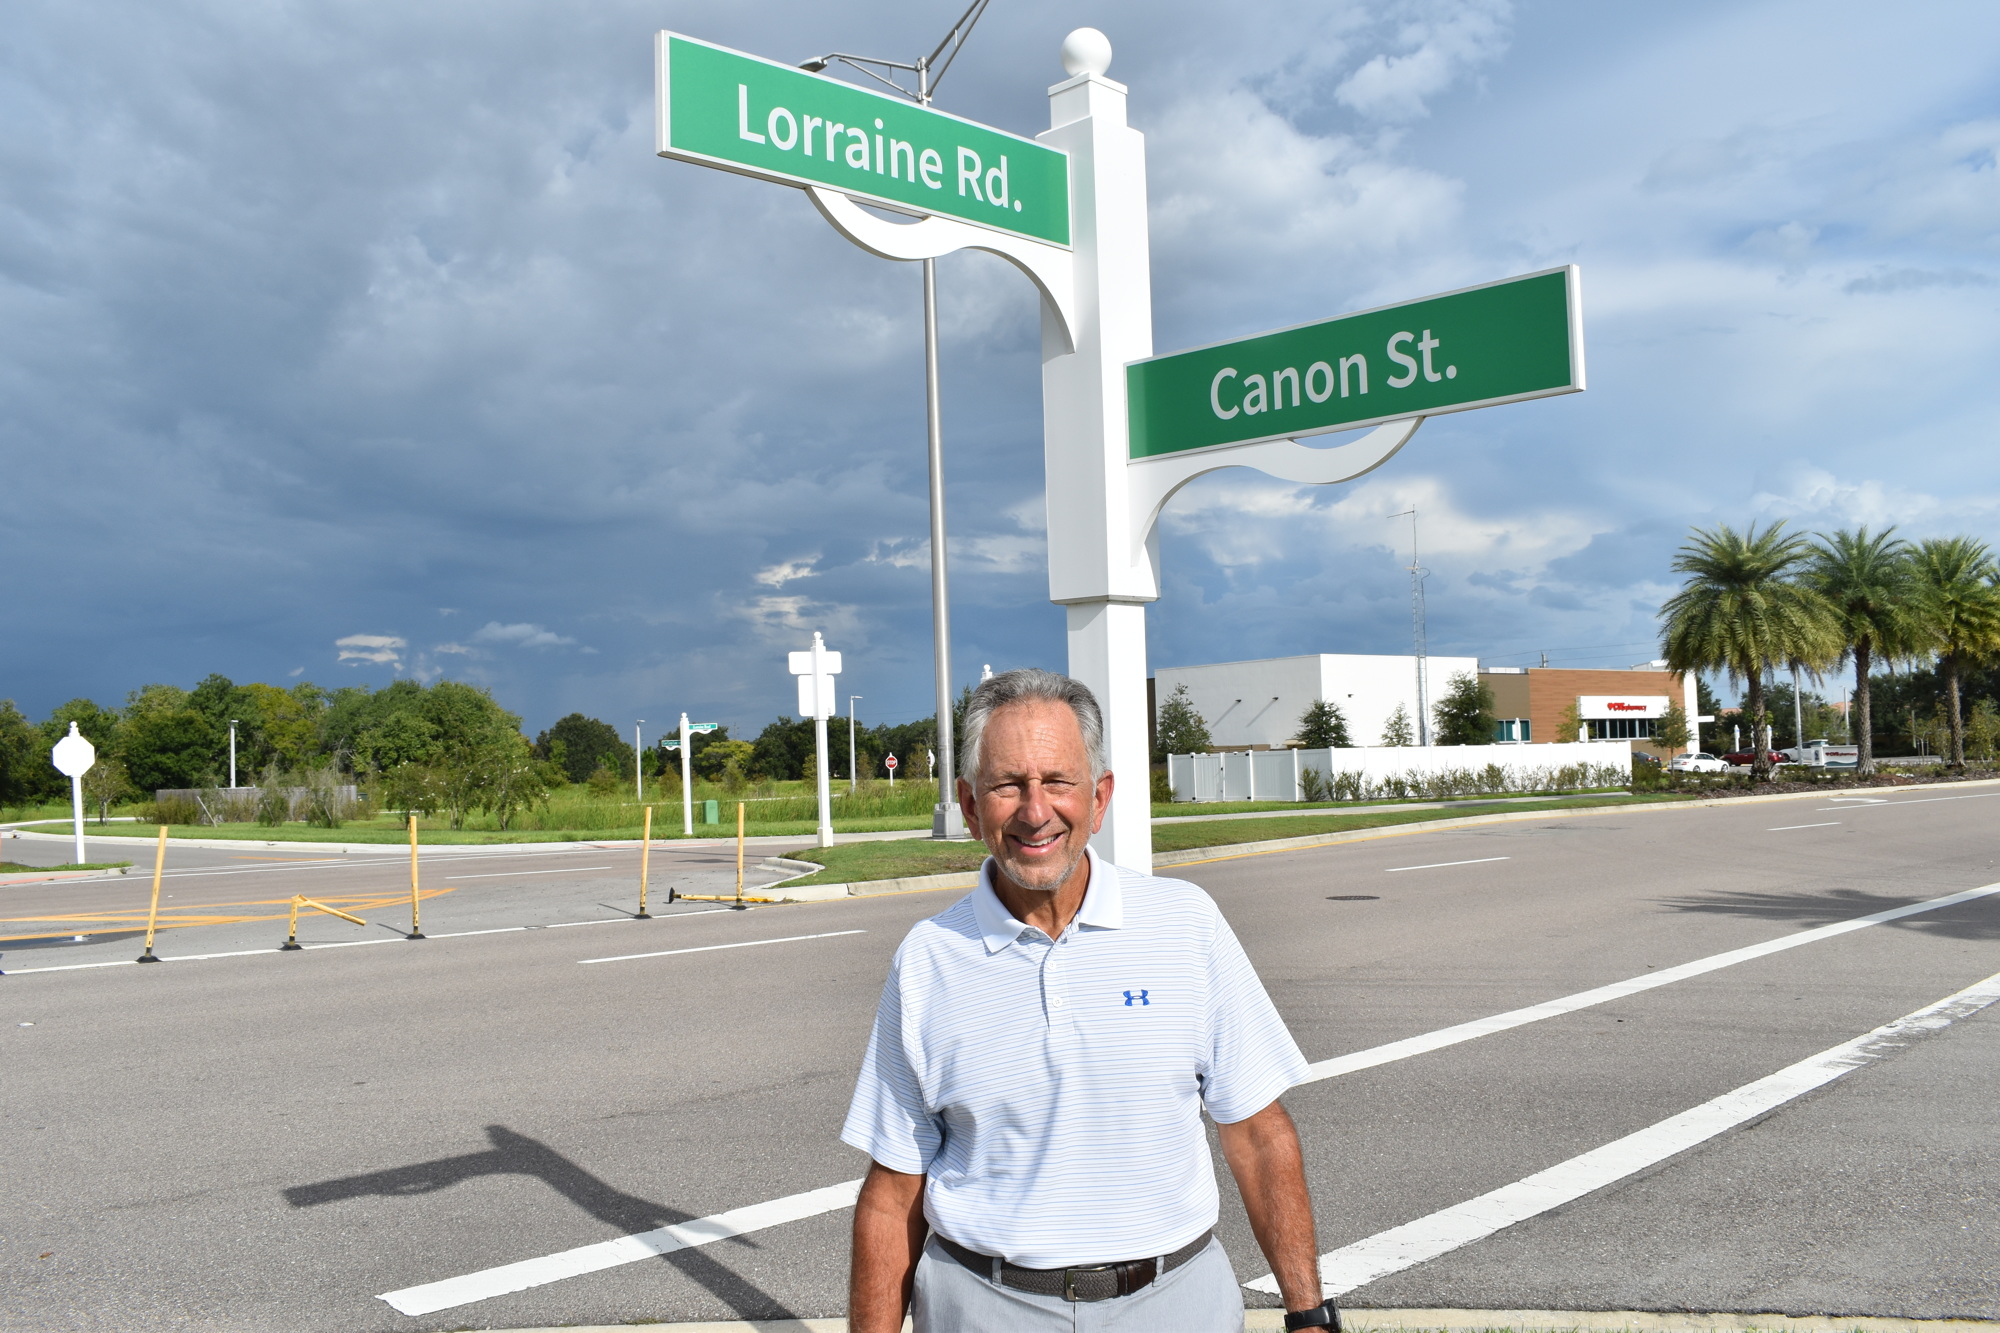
pixel 1757 601
pixel 446 747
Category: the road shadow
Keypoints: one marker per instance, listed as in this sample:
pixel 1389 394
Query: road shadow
pixel 1975 920
pixel 518 1155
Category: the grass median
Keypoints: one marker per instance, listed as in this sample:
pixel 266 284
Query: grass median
pixel 863 861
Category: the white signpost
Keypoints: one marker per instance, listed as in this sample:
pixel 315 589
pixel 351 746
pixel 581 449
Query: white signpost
pixel 1091 262
pixel 73 755
pixel 816 667
pixel 686 746
pixel 890 764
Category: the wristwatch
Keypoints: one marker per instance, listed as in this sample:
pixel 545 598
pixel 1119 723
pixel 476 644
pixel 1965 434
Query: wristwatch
pixel 1320 1316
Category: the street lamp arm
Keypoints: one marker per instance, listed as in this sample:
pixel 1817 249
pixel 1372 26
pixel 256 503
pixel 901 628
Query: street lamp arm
pixel 955 39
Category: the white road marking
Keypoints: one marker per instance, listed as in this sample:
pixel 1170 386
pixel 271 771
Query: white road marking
pixel 509 874
pixel 1439 865
pixel 710 948
pixel 435 1296
pixel 1618 990
pixel 1417 1242
pixel 1786 828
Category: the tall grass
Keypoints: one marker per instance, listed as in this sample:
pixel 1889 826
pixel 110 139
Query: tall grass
pixel 577 808
pixel 1488 781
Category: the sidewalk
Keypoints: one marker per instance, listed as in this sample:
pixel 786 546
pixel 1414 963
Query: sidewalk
pixel 1447 1321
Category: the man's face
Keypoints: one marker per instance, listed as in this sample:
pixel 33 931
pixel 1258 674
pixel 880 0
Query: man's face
pixel 1033 802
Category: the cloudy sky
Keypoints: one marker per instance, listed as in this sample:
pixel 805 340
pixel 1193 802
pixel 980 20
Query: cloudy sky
pixel 345 341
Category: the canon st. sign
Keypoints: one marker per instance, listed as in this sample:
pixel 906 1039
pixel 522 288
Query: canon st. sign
pixel 1623 705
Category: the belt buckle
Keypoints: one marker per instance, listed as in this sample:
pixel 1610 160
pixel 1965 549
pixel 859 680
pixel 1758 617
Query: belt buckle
pixel 1069 1281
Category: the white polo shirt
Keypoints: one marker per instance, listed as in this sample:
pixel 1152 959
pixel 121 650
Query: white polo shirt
pixel 1052 1090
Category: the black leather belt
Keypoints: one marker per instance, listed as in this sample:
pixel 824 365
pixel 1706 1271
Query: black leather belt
pixel 1090 1282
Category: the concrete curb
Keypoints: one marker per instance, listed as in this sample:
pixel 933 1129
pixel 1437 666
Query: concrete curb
pixel 1450 1321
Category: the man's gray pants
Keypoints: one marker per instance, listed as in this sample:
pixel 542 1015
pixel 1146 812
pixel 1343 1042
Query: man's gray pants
pixel 1201 1296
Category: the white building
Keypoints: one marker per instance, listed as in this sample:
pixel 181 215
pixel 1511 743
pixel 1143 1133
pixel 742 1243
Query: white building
pixel 1258 704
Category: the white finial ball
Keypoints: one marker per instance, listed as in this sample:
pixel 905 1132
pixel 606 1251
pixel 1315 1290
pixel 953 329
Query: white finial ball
pixel 1086 51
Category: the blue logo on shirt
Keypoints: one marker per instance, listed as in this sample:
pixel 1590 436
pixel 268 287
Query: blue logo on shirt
pixel 1133 997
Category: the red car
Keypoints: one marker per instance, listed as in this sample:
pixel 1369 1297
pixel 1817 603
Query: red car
pixel 1746 758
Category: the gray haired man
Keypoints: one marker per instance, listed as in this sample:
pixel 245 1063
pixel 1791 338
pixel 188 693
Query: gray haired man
pixel 1033 1090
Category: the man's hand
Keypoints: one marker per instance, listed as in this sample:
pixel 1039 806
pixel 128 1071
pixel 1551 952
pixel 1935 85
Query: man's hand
pixel 889 1232
pixel 1264 1156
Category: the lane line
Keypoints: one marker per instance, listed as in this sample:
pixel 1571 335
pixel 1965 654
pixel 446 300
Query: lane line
pixel 1439 865
pixel 434 1296
pixel 1786 828
pixel 710 948
pixel 537 1272
pixel 1448 1229
pixel 1618 990
pixel 509 874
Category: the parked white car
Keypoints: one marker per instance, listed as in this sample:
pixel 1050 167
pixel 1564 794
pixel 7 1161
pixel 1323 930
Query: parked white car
pixel 1696 763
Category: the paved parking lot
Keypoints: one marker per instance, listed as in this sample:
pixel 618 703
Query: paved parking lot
pixel 469 1126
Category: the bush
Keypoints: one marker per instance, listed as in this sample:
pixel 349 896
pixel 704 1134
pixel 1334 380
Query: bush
pixel 1163 786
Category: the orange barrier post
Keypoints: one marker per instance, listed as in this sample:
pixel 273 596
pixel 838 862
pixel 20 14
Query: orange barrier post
pixel 153 913
pixel 416 928
pixel 645 855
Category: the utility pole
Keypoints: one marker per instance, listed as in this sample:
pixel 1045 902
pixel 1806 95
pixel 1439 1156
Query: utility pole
pixel 232 754
pixel 638 763
pixel 1417 631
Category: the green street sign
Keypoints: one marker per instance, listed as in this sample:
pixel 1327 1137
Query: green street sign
pixel 753 116
pixel 1499 343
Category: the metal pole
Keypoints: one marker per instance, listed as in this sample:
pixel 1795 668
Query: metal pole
pixel 153 912
pixel 946 820
pixel 853 775
pixel 76 811
pixel 820 677
pixel 232 754
pixel 1417 631
pixel 645 859
pixel 416 928
pixel 638 764
pixel 687 781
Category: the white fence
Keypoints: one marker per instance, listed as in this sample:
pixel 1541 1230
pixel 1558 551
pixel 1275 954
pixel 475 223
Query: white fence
pixel 1400 770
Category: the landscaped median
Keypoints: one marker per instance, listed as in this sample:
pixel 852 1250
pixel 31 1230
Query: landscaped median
pixel 896 866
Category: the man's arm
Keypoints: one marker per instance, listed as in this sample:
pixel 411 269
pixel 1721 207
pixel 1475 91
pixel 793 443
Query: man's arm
pixel 889 1231
pixel 1264 1156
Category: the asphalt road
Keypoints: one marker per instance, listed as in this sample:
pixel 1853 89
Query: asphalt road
pixel 276 1140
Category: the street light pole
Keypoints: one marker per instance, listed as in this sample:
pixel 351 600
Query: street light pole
pixel 232 754
pixel 638 763
pixel 1417 631
pixel 946 819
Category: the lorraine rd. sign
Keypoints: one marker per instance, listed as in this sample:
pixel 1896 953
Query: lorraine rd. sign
pixel 1499 343
pixel 721 108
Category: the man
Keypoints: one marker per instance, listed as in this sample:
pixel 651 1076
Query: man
pixel 1033 1090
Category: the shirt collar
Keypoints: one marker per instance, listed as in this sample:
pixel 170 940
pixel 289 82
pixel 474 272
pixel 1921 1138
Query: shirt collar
pixel 1103 904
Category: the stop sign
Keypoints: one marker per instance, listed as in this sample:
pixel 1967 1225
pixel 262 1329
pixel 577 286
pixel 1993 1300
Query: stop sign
pixel 890 762
pixel 73 754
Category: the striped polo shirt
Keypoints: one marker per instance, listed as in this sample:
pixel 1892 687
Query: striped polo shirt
pixel 1052 1090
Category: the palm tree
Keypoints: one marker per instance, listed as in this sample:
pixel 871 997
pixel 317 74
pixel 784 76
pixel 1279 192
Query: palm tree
pixel 1868 580
pixel 1956 578
pixel 1738 612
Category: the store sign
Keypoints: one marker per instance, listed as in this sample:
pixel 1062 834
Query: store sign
pixel 756 117
pixel 1503 342
pixel 1596 706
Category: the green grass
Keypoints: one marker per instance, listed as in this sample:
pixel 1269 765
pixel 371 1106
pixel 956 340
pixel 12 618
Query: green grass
pixel 1167 810
pixel 856 861
pixel 1223 832
pixel 14 868
pixel 435 832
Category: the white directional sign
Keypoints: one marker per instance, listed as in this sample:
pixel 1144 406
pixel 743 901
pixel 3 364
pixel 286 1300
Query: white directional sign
pixel 74 754
pixel 816 693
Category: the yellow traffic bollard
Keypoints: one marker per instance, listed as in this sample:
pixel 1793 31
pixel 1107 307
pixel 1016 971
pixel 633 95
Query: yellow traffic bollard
pixel 300 900
pixel 416 929
pixel 645 855
pixel 153 913
pixel 739 851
